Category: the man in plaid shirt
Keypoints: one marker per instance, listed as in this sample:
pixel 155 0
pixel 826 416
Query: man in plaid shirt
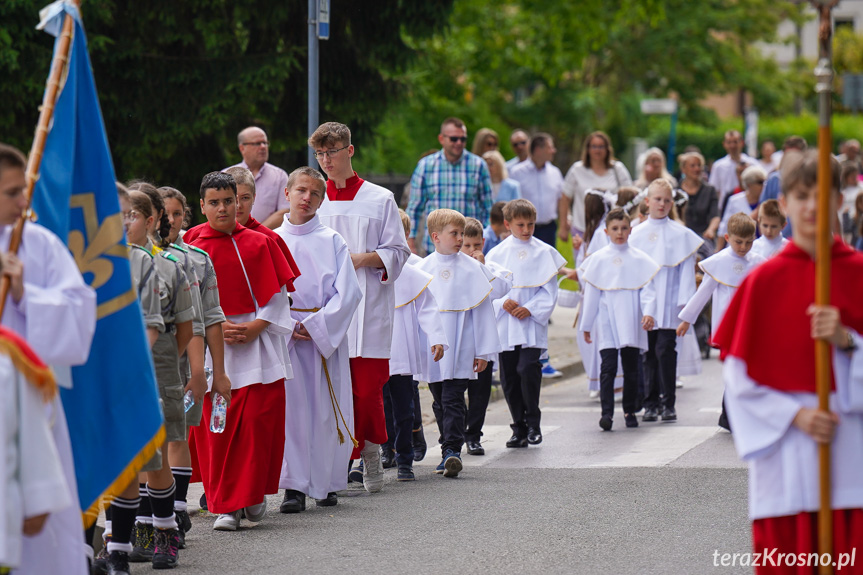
pixel 452 178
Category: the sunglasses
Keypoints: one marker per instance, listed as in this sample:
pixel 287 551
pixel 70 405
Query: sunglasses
pixel 518 144
pixel 455 139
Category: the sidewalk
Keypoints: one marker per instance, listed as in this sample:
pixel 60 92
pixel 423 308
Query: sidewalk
pixel 562 351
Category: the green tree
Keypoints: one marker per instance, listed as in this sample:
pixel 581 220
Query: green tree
pixel 178 80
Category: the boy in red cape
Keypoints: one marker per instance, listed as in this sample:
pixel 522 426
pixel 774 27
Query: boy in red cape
pixel 240 466
pixel 767 338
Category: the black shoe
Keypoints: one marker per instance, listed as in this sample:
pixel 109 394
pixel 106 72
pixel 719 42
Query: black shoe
pixel 406 473
pixel 388 457
pixel 355 475
pixel 517 441
pixel 605 423
pixel 534 436
pixel 118 563
pixel 167 552
pixel 203 501
pixel 144 544
pixel 650 414
pixel 631 420
pixel 668 414
pixel 294 502
pixel 419 444
pixel 184 525
pixel 475 448
pixel 99 566
pixel 331 500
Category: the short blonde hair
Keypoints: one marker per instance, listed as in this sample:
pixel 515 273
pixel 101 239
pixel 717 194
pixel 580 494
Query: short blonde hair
pixel 741 225
pixel 406 221
pixel 691 156
pixel 751 175
pixel 439 219
pixel 311 173
pixel 496 157
pixel 519 208
pixel 472 228
pixel 242 177
pixel 658 183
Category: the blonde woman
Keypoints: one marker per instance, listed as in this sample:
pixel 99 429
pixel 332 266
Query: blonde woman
pixel 651 165
pixel 485 140
pixel 503 188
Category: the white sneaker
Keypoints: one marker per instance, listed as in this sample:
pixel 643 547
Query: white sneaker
pixel 594 393
pixel 679 383
pixel 227 522
pixel 373 467
pixel 255 513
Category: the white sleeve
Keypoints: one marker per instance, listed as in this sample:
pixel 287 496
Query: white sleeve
pixel 849 377
pixel 699 300
pixel 43 484
pixel 589 307
pixel 393 249
pixel 570 183
pixel 759 415
pixel 278 313
pixel 543 301
pixel 648 299
pixel 328 327
pixel 500 285
pixel 487 341
pixel 429 319
pixel 687 281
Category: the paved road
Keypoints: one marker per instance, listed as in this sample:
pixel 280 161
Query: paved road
pixel 657 499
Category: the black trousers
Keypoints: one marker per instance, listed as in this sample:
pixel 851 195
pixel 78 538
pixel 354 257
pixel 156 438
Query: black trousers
pixel 660 368
pixel 449 395
pixel 478 395
pixel 629 357
pixel 521 379
pixel 399 394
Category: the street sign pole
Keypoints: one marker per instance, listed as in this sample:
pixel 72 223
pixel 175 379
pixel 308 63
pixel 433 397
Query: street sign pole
pixel 313 76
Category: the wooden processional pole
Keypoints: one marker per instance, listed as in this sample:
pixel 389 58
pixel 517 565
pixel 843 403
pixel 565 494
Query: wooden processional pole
pixel 34 160
pixel 823 359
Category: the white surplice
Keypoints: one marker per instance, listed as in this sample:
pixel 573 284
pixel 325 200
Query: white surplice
pixel 783 460
pixel 673 246
pixel 534 266
pixel 314 462
pixel 57 317
pixel 371 223
pixel 31 476
pixel 617 283
pixel 768 248
pixel 723 274
pixel 461 287
pixel 417 324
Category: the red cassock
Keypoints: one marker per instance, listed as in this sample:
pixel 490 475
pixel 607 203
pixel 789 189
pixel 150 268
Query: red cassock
pixel 240 466
pixel 766 326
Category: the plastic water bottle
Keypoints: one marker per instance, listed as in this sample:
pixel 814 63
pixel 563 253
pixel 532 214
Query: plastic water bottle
pixel 208 373
pixel 188 401
pixel 220 413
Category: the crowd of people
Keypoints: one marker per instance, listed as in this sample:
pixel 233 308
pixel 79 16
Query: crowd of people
pixel 290 331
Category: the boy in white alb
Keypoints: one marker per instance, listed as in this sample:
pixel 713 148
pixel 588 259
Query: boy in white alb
pixel 673 246
pixel 771 222
pixel 767 338
pixel 617 286
pixel 319 396
pixel 461 287
pixel 723 274
pixel 479 391
pixel 32 484
pixel 366 216
pixel 522 317
pixel 417 327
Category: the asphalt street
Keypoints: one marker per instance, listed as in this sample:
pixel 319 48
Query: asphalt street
pixel 662 498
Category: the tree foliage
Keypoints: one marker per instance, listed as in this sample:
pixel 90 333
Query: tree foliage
pixel 178 80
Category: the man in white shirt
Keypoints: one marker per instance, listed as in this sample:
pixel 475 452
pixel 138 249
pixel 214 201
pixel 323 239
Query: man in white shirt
pixel 518 141
pixel 541 184
pixel 270 200
pixel 725 175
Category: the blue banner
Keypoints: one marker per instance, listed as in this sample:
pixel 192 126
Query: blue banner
pixel 115 422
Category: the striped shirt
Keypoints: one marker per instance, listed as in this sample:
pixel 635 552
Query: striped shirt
pixel 464 186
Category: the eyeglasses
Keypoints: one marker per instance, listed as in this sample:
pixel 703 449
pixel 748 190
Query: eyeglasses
pixel 518 144
pixel 330 153
pixel 131 216
pixel 256 144
pixel 455 139
pixel 598 147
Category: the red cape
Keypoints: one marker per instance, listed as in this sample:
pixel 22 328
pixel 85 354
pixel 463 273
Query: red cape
pixel 27 362
pixel 766 323
pixel 257 226
pixel 267 269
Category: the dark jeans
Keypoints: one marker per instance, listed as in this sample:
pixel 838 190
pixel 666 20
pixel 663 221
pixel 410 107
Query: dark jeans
pixel 478 394
pixel 449 395
pixel 629 357
pixel 399 394
pixel 660 368
pixel 521 379
pixel 547 233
